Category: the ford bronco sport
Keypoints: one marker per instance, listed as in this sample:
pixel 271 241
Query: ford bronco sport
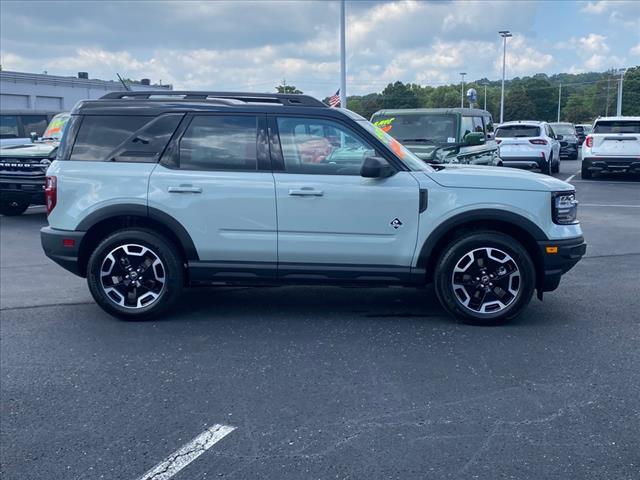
pixel 151 193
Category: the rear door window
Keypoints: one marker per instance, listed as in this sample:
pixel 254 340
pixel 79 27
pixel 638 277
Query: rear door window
pixel 220 142
pixel 466 126
pixel 510 131
pixel 477 125
pixel 100 135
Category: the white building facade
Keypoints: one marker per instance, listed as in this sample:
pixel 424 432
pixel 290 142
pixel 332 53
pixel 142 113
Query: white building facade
pixel 51 93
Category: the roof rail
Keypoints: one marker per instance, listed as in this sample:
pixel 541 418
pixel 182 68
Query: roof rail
pixel 288 99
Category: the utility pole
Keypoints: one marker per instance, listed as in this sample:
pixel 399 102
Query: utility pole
pixel 485 96
pixel 559 99
pixel 343 60
pixel 619 107
pixel 462 74
pixel 606 107
pixel 504 34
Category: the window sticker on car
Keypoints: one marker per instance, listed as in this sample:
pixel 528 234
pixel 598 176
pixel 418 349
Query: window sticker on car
pixel 385 124
pixel 451 140
pixel 392 143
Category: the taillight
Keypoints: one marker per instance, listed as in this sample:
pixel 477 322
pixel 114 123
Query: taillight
pixel 538 141
pixel 51 193
pixel 589 141
pixel 498 140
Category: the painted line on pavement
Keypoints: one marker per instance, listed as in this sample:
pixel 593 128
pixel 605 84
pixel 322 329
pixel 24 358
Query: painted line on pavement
pixel 601 205
pixel 187 453
pixel 572 176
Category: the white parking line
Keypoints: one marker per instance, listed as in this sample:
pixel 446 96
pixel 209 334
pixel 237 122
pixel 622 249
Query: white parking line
pixel 601 205
pixel 571 177
pixel 188 453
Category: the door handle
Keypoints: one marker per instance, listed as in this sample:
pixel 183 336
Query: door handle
pixel 185 189
pixel 305 192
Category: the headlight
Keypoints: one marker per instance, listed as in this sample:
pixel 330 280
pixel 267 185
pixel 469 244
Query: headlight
pixel 564 208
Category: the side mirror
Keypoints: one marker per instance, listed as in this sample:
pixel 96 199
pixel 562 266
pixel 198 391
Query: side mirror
pixel 559 137
pixel 474 138
pixel 34 136
pixel 376 167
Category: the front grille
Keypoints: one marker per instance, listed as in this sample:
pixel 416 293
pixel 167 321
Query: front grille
pixel 21 165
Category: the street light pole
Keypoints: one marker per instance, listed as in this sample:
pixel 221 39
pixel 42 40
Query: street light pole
pixel 504 34
pixel 462 74
pixel 343 60
pixel 619 108
pixel 485 96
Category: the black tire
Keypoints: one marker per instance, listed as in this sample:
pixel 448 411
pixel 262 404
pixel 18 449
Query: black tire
pixel 586 173
pixel 13 208
pixel 475 244
pixel 159 293
pixel 555 167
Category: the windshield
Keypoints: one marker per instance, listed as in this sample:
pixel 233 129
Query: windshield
pixel 563 128
pixel 419 128
pixel 405 155
pixel 56 127
pixel 510 131
pixel 617 126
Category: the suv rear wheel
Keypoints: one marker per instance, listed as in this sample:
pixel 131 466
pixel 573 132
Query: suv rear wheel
pixel 484 278
pixel 12 208
pixel 134 274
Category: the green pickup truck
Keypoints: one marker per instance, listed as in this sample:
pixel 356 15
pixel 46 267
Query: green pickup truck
pixel 23 169
pixel 443 135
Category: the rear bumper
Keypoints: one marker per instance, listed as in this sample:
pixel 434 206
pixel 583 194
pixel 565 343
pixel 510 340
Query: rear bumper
pixel 612 164
pixel 554 265
pixel 64 255
pixel 569 150
pixel 524 162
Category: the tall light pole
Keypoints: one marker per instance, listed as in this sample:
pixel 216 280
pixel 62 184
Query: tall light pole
pixel 485 94
pixel 559 98
pixel 343 60
pixel 462 74
pixel 619 107
pixel 504 34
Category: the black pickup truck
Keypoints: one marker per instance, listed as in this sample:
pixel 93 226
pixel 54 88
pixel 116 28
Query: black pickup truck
pixel 23 169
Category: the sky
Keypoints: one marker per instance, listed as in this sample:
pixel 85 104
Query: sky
pixel 253 46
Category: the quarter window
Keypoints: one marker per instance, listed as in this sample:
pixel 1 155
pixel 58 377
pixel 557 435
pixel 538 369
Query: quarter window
pixel 220 142
pixel 477 125
pixel 466 126
pixel 99 136
pixel 323 147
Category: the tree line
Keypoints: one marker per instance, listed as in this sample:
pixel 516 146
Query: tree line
pixel 584 96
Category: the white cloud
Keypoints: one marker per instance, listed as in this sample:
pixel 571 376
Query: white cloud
pixel 635 50
pixel 523 58
pixel 621 12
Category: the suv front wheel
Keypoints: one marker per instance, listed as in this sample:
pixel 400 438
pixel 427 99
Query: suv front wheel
pixel 484 278
pixel 134 274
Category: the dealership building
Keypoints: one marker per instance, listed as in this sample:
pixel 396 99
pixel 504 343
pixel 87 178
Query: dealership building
pixel 51 93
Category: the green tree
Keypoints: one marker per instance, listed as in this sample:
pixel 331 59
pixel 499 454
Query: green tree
pixel 631 92
pixel 399 95
pixel 287 89
pixel 518 105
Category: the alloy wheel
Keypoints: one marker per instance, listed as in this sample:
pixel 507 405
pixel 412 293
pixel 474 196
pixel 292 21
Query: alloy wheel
pixel 132 276
pixel 486 280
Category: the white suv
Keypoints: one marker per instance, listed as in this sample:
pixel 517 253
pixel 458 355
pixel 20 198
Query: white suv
pixel 612 146
pixel 529 144
pixel 150 194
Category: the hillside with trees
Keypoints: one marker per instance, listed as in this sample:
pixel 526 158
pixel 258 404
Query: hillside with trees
pixel 585 96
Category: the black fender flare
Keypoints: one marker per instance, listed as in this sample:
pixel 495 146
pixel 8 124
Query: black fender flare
pixel 137 210
pixel 474 216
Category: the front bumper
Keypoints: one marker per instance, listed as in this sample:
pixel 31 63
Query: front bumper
pixel 554 265
pixel 65 254
pixel 612 164
pixel 22 188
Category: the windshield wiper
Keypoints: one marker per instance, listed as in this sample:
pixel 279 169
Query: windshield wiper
pixel 422 140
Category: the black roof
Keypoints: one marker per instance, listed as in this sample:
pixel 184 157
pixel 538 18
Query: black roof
pixel 155 103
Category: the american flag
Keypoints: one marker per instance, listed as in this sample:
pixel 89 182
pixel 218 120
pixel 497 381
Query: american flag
pixel 334 100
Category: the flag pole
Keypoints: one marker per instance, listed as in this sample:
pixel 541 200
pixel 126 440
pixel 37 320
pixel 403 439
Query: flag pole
pixel 343 61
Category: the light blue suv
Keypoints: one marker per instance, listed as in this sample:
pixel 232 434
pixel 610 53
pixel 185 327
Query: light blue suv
pixel 150 194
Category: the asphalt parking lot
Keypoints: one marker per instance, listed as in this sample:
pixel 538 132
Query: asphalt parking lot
pixel 328 382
